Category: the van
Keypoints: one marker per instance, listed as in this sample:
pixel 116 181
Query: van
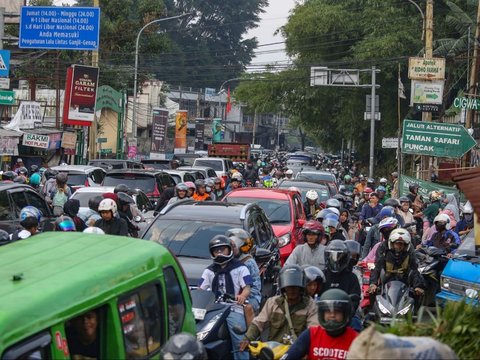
pixel 124 297
pixel 220 165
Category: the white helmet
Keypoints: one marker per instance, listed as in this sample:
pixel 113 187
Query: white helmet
pixel 312 195
pixel 383 180
pixel 400 235
pixel 108 204
pixel 467 208
pixel 289 172
pixel 94 230
pixel 237 176
pixel 443 218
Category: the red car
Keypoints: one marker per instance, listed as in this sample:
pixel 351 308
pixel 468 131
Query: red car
pixel 283 208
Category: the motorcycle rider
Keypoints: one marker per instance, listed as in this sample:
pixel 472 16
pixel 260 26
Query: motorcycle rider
pixel 110 223
pixel 332 227
pixel 200 193
pixel 431 211
pixel 381 191
pixel 287 314
pixel 445 237
pixel 228 275
pixel 218 190
pixel 396 258
pixel 332 339
pixel 315 280
pixel 30 218
pixel 374 235
pixel 181 190
pixel 70 208
pixel 235 182
pixel 372 208
pixel 250 174
pixel 311 205
pixel 289 174
pixel 312 252
pixel 125 201
pixel 466 224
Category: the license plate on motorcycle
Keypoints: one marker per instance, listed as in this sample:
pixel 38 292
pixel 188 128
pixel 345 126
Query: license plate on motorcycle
pixel 385 320
pixel 199 314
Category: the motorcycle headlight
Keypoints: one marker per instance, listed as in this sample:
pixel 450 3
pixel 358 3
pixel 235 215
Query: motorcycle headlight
pixel 405 310
pixel 284 240
pixel 445 283
pixel 202 334
pixel 383 309
pixel 420 269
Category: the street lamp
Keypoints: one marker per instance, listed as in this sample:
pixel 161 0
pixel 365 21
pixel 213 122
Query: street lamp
pixel 423 17
pixel 134 114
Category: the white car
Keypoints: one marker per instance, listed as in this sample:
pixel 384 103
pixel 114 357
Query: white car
pixel 220 165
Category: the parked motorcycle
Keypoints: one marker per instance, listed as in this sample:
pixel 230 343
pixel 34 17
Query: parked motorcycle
pixel 431 262
pixel 394 302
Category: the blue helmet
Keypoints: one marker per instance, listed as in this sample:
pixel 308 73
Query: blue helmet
pixel 387 211
pixel 30 211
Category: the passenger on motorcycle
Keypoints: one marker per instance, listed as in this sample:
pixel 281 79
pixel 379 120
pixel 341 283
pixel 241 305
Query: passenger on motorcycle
pixel 218 190
pixel 288 314
pixel 200 193
pixel 191 188
pixel 396 258
pixel 30 218
pixel 311 205
pixel 372 208
pixel 312 251
pixel 381 191
pixel 70 208
pixel 374 235
pixel 466 224
pixel 250 173
pixel 432 210
pixel 395 204
pixel 331 225
pixel 181 190
pixel 332 339
pixel 235 182
pixel 315 280
pixel 124 203
pixel 406 214
pixel 445 237
pixel 228 275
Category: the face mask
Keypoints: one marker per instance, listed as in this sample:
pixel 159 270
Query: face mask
pixel 440 227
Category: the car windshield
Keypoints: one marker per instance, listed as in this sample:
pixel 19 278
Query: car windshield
pixel 146 183
pixel 185 238
pixel 83 197
pixel 75 179
pixel 315 177
pixel 467 247
pixel 321 190
pixel 277 211
pixel 214 164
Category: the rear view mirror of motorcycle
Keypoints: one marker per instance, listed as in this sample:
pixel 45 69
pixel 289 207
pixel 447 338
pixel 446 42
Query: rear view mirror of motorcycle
pixel 262 255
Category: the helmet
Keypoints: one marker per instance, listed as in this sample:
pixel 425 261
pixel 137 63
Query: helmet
pixel 435 195
pixel 383 181
pixel 9 175
pixel 312 195
pixel 30 211
pixel 243 240
pixel 217 180
pixel 291 275
pixel 121 188
pixel 183 346
pixel 368 190
pixel 50 173
pixel 200 183
pixel 387 211
pixel 467 208
pixel 181 187
pixel 64 223
pixel 94 202
pixel 347 178
pixel 61 178
pixel 313 273
pixel 35 179
pixel 190 185
pixel 330 222
pixel 322 214
pixel 333 203
pixel 395 203
pixel 33 169
pixel 289 172
pixel 354 248
pixel 331 300
pixel 23 170
pixel 125 199
pixel 371 181
pixel 399 235
pixel 381 188
pixel 94 230
pixel 313 226
pixel 387 225
pixel 237 177
pixel 403 199
pixel 337 256
pixel 334 211
pixel 413 187
pixel 108 205
pixel 4 237
pixel 220 241
pixel 443 218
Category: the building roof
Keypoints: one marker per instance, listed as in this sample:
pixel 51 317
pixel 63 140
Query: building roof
pixel 467 182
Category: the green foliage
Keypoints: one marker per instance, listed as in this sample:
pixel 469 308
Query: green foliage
pixel 457 325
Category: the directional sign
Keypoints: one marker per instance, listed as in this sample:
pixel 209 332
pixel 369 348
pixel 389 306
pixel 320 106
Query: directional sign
pixel 7 98
pixel 390 143
pixel 52 27
pixel 466 103
pixel 426 92
pixel 426 69
pixel 4 62
pixel 436 139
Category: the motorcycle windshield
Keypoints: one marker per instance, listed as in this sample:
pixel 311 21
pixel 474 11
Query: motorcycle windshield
pixel 201 299
pixel 395 291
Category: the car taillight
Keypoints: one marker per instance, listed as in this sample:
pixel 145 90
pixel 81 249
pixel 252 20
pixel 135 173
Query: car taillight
pixel 86 182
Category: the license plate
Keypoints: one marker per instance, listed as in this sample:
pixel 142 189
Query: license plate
pixel 199 314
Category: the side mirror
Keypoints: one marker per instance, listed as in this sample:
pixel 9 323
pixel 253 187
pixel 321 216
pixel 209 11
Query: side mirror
pixel 262 255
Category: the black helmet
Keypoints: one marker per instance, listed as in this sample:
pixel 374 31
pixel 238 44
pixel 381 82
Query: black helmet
pixel 370 181
pixel 404 199
pixel 50 173
pixel 9 175
pixel 183 346
pixel 354 248
pixel 121 188
pixel 94 202
pixel 220 241
pixel 313 273
pixel 124 199
pixel 337 256
pixel 200 183
pixel 291 275
pixel 334 300
pixel 33 169
pixel 413 187
pixel 392 202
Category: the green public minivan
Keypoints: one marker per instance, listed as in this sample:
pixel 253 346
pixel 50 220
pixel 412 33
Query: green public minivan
pixel 76 296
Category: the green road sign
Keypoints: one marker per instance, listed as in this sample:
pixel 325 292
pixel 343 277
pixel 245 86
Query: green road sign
pixel 101 140
pixel 7 98
pixel 106 151
pixel 436 139
pixel 466 103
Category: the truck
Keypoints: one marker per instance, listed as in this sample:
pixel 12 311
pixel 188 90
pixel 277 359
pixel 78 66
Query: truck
pixel 234 151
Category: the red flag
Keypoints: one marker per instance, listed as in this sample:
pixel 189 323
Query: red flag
pixel 229 104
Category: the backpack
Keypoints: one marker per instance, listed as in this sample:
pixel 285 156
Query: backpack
pixel 59 198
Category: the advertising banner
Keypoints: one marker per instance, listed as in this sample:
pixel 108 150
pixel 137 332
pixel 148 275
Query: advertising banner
pixel 55 141
pixel 36 140
pixel 425 187
pixel 181 132
pixel 69 140
pixel 83 95
pixel 426 92
pixel 159 130
pixel 28 116
pixel 9 145
pixel 217 130
pixel 199 134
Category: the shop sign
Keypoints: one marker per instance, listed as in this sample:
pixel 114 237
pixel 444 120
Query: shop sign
pixel 36 140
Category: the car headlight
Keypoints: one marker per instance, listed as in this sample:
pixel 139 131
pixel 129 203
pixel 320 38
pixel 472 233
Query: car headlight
pixel 445 283
pixel 284 240
pixel 471 293
pixel 405 310
pixel 383 309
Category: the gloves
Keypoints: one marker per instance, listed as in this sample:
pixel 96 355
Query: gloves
pixel 373 289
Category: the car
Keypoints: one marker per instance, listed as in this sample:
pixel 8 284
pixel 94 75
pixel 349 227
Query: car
pixel 110 164
pixel 152 183
pixel 220 165
pixel 82 175
pixel 186 159
pixel 181 176
pixel 135 290
pixel 283 208
pixel 323 191
pixel 13 198
pixel 206 172
pixel 319 177
pixel 186 227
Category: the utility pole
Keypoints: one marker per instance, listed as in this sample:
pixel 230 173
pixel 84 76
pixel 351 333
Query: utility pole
pixel 472 84
pixel 372 124
pixel 254 126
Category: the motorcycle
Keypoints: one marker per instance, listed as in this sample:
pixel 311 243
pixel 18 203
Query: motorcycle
pixel 211 322
pixel 431 262
pixel 394 302
pixel 270 350
pixel 365 269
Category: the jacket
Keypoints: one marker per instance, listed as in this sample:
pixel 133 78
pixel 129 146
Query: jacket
pixel 308 209
pixel 272 316
pixel 305 255
pixel 345 280
pixel 116 226
pixel 373 237
pixel 368 211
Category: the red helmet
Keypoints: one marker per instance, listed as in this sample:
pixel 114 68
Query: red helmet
pixel 313 226
pixel 368 190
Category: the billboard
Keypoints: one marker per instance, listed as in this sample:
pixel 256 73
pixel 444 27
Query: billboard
pixel 159 130
pixel 199 134
pixel 82 82
pixel 217 130
pixel 181 132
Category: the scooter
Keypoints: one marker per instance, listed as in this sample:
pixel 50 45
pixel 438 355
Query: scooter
pixel 394 303
pixel 270 350
pixel 211 321
pixel 431 262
